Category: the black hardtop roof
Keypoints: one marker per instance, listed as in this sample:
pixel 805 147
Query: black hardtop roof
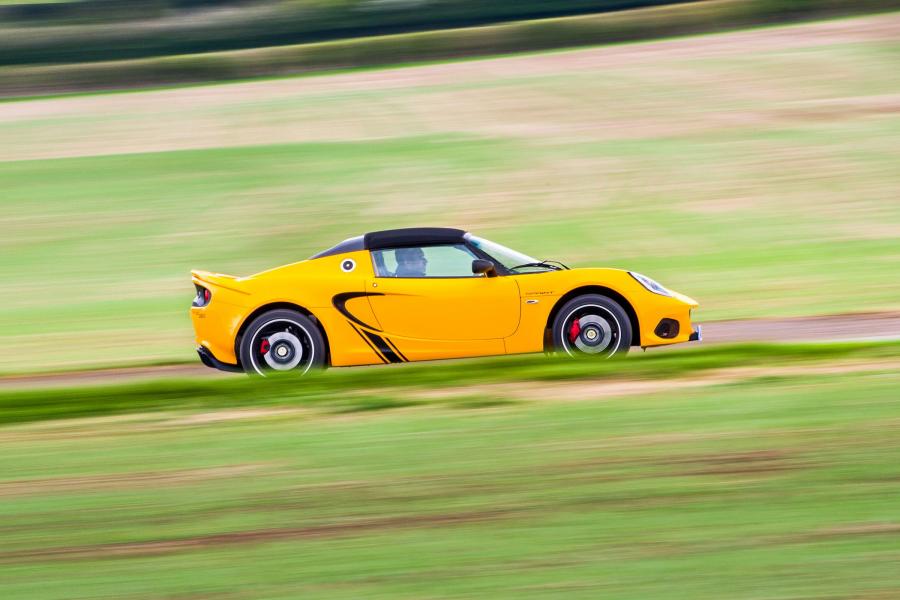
pixel 393 238
pixel 412 236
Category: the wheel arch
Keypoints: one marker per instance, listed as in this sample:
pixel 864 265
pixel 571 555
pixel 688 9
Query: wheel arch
pixel 275 306
pixel 602 291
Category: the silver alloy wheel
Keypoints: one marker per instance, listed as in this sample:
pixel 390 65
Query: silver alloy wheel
pixel 285 351
pixel 595 336
pixel 289 345
pixel 599 331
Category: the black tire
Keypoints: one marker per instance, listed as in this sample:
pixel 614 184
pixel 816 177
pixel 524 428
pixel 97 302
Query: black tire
pixel 604 329
pixel 299 347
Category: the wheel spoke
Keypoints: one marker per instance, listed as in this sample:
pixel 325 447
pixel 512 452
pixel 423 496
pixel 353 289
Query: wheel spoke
pixel 282 347
pixel 591 330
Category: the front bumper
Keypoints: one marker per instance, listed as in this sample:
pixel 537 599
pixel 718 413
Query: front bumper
pixel 207 358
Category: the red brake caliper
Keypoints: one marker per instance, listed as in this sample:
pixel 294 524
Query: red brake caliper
pixel 264 346
pixel 574 330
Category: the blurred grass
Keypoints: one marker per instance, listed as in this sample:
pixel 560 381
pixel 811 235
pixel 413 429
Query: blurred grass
pixel 361 390
pixel 756 173
pixel 768 489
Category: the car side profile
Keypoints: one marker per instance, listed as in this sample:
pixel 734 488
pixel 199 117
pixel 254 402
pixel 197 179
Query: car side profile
pixel 407 295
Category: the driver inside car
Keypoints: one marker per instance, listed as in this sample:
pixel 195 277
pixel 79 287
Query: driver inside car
pixel 411 262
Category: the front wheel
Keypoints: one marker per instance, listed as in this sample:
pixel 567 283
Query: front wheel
pixel 592 326
pixel 280 341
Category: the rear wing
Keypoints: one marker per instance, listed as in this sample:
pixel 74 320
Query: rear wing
pixel 207 278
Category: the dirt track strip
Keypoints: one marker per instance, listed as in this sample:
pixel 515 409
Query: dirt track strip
pixel 241 538
pixel 864 326
pixel 860 326
pixel 578 390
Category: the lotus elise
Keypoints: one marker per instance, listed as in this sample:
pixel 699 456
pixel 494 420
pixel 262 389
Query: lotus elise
pixel 427 293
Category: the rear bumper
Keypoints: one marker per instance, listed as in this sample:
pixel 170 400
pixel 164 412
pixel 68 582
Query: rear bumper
pixel 207 358
pixel 215 328
pixel 697 334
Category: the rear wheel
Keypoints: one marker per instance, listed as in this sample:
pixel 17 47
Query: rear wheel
pixel 592 326
pixel 281 341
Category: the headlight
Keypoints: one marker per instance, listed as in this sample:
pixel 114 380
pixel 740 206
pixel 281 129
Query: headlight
pixel 651 285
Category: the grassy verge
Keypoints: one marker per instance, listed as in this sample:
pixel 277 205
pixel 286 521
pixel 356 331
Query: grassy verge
pixel 767 489
pixel 640 24
pixel 350 390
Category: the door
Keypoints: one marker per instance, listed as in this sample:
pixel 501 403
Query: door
pixel 430 293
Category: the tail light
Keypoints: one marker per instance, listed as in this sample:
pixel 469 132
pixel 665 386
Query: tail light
pixel 203 296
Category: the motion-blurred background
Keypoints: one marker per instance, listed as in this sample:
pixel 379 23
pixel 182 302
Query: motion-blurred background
pixel 757 169
pixel 746 152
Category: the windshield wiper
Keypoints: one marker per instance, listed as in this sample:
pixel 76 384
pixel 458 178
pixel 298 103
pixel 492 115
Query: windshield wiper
pixel 566 267
pixel 542 263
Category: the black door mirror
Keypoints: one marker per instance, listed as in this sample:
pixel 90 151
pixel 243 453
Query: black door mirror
pixel 486 267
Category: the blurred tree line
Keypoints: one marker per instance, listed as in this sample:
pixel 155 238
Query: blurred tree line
pixel 78 31
pixel 80 45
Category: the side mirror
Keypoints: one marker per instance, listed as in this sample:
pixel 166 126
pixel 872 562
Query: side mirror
pixel 486 267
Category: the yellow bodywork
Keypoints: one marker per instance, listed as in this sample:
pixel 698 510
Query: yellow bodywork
pixel 422 318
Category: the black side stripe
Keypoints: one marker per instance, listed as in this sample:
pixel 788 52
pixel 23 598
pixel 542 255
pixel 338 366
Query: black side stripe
pixel 340 300
pixel 375 350
pixel 383 347
pixel 396 349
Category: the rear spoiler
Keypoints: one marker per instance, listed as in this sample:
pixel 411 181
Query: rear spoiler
pixel 229 282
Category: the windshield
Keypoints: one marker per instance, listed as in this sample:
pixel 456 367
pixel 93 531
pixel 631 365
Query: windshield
pixel 507 257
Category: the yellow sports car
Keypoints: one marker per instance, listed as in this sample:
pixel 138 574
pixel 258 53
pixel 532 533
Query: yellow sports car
pixel 422 294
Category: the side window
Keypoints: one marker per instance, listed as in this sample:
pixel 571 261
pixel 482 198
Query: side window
pixel 424 261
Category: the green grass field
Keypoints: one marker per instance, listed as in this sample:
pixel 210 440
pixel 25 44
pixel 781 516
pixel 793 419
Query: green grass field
pixel 754 171
pixel 775 487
